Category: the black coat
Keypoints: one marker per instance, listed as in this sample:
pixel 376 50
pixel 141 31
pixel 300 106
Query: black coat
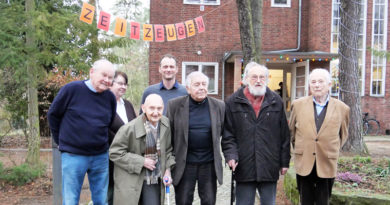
pixel 260 145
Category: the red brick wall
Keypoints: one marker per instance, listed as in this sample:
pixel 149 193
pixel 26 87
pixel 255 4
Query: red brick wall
pixel 221 35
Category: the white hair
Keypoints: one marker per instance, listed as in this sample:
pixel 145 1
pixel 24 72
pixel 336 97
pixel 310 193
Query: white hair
pixel 102 63
pixel 323 72
pixel 196 74
pixel 250 66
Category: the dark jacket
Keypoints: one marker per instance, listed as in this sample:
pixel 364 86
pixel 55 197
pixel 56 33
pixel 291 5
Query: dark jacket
pixel 178 114
pixel 117 123
pixel 260 145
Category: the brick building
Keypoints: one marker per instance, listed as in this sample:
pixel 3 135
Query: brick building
pixel 297 36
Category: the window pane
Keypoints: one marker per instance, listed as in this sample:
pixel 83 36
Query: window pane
pixel 209 70
pixel 191 68
pixel 300 71
pixel 280 1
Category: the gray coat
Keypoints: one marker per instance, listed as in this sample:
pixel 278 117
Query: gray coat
pixel 178 114
pixel 126 152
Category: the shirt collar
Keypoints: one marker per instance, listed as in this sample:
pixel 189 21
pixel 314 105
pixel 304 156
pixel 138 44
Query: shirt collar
pixel 121 101
pixel 176 85
pixel 90 86
pixel 322 105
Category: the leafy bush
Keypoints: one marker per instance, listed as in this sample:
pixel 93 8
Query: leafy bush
pixel 21 174
pixel 363 160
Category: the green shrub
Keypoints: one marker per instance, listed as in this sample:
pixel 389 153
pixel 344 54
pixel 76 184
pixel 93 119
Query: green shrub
pixel 363 160
pixel 21 174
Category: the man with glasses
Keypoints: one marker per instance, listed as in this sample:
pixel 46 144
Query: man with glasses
pixel 256 138
pixel 168 88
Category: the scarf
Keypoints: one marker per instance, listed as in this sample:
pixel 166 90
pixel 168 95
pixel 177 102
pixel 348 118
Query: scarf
pixel 152 151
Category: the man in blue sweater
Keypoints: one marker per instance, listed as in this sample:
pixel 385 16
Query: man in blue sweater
pixel 79 118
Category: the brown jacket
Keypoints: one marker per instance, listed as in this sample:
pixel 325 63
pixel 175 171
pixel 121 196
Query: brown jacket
pixel 322 147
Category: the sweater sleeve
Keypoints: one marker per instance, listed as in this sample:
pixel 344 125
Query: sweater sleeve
pixel 56 112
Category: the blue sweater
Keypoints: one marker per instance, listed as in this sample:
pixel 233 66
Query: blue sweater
pixel 79 119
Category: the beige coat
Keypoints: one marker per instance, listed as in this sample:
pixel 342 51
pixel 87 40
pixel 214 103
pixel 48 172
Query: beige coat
pixel 126 152
pixel 322 147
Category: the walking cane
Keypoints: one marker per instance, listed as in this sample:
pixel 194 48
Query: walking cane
pixel 232 190
pixel 166 179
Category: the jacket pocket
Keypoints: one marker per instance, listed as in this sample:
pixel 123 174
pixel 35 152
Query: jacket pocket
pixel 333 155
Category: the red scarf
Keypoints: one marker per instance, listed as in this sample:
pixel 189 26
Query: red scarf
pixel 255 101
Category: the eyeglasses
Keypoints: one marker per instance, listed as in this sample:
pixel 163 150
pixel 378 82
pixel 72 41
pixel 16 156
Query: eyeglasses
pixel 120 83
pixel 261 77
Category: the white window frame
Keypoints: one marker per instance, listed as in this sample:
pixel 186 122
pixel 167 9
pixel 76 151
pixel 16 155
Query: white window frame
pixel 273 4
pixel 363 49
pixel 200 67
pixel 201 2
pixel 384 46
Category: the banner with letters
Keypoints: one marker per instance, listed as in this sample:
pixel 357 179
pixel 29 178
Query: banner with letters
pixel 150 32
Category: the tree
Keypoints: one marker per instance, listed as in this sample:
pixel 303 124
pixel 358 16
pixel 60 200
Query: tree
pixel 36 37
pixel 250 21
pixel 349 72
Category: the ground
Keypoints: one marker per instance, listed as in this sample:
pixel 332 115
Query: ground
pixel 12 151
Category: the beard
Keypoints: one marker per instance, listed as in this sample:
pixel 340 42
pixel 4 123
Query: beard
pixel 257 91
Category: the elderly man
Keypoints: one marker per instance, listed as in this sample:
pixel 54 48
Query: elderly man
pixel 79 119
pixel 142 156
pixel 319 128
pixel 196 123
pixel 168 88
pixel 256 139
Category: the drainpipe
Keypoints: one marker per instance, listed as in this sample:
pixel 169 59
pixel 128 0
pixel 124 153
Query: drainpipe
pixel 299 34
pixel 225 57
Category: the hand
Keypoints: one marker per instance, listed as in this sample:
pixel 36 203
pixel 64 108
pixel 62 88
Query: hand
pixel 167 179
pixel 283 170
pixel 149 164
pixel 233 164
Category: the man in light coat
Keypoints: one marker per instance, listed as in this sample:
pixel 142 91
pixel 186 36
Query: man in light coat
pixel 142 156
pixel 319 128
pixel 196 122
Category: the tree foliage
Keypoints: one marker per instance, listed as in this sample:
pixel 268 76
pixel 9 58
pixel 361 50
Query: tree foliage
pixel 48 37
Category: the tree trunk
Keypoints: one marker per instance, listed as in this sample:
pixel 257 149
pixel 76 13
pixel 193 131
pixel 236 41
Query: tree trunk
pixel 94 36
pixel 257 22
pixel 250 21
pixel 33 115
pixel 349 73
pixel 246 29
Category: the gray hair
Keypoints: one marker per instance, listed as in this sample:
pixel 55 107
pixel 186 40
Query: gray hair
pixel 252 65
pixel 323 72
pixel 102 63
pixel 196 74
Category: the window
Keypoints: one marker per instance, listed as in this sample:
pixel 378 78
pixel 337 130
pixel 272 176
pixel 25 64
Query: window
pixel 334 47
pixel 202 2
pixel 280 3
pixel 208 68
pixel 378 43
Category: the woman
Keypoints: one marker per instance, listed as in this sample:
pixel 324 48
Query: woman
pixel 124 114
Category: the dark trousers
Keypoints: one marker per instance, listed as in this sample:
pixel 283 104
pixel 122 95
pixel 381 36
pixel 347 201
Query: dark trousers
pixel 207 184
pixel 150 194
pixel 313 189
pixel 246 191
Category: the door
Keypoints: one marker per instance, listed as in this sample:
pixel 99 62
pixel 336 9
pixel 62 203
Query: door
pixel 300 80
